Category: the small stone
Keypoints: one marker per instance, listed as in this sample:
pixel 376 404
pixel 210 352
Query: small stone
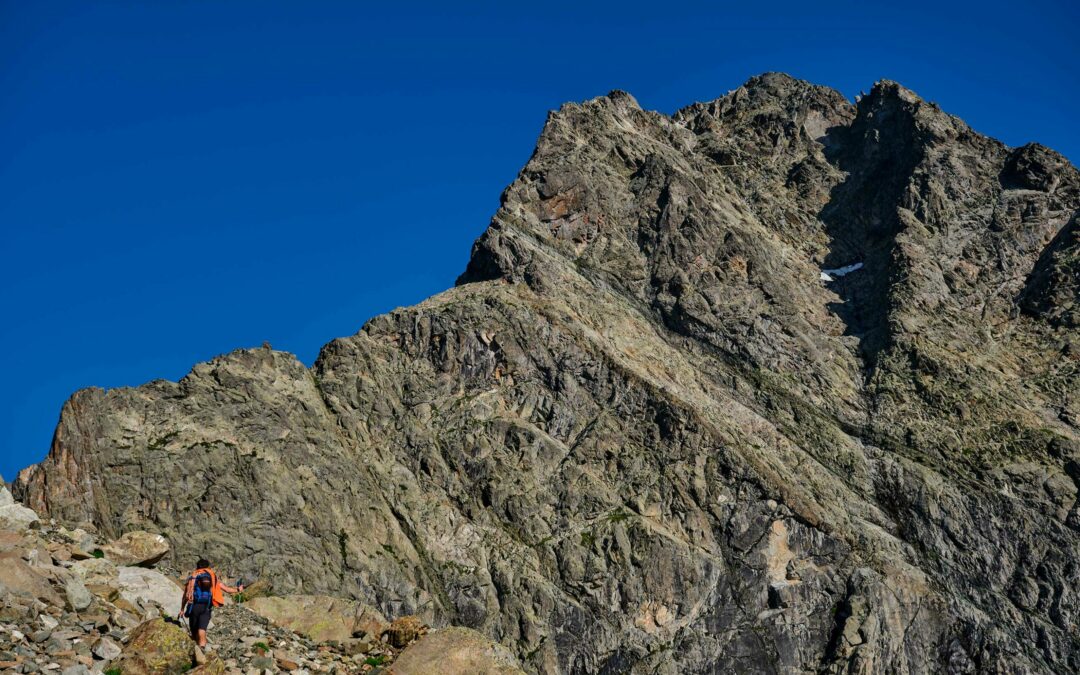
pixel 78 597
pixel 58 646
pixel 262 662
pixel 40 635
pixel 106 649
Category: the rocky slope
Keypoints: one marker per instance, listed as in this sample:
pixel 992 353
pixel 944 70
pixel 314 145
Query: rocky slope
pixel 75 605
pixel 649 430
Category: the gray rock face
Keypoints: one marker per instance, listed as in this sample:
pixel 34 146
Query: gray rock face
pixel 643 434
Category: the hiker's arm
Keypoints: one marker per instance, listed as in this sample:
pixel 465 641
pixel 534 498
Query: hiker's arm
pixel 232 590
pixel 184 598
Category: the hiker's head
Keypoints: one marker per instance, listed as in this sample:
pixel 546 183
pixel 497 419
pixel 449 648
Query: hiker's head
pixel 202 564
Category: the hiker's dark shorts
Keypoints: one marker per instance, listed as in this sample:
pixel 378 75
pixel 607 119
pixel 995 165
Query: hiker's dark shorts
pixel 199 619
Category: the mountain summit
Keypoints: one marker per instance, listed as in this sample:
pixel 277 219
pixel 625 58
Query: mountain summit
pixel 778 383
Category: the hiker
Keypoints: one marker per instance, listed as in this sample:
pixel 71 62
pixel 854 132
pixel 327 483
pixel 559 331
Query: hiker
pixel 202 592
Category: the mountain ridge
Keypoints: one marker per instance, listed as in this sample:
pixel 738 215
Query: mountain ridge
pixel 641 432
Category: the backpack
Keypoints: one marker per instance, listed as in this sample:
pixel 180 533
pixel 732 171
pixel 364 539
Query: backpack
pixel 202 591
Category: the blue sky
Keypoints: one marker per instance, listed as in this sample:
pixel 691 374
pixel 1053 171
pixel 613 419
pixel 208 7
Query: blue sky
pixel 183 178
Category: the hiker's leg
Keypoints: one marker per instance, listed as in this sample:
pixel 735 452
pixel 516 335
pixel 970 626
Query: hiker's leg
pixel 202 637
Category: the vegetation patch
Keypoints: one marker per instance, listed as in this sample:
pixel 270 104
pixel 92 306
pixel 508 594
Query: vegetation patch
pixel 617 516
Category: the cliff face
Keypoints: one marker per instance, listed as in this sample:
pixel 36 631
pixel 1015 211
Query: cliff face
pixel 666 422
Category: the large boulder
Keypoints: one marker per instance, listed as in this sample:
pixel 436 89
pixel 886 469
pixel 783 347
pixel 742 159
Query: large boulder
pixel 456 651
pixel 319 617
pixel 136 548
pixel 99 575
pixel 21 580
pixel 156 647
pixel 14 516
pixel 149 589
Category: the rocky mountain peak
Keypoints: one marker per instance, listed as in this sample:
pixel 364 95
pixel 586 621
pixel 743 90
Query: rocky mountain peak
pixel 780 382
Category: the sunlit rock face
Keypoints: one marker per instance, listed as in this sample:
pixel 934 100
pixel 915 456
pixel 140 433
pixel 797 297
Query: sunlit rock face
pixel 778 383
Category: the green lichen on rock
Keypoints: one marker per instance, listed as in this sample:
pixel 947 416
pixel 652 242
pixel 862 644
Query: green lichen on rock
pixel 157 647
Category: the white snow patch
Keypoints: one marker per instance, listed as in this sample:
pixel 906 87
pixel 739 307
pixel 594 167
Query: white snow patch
pixel 829 275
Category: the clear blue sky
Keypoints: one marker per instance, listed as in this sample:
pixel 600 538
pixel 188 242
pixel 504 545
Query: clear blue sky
pixel 179 179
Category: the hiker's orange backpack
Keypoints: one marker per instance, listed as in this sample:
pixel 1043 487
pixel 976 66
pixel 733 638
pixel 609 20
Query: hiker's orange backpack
pixel 217 596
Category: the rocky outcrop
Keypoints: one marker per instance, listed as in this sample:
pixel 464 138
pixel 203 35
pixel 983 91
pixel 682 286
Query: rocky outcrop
pixel 779 383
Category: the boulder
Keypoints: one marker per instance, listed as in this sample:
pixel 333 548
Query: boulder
pixel 150 590
pixel 22 580
pixel 107 649
pixel 286 661
pixel 75 592
pixel 404 630
pixel 81 544
pixel 213 666
pixel 136 548
pixel 96 571
pixel 14 516
pixel 80 538
pixel 156 647
pixel 456 651
pixel 10 541
pixel 318 617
